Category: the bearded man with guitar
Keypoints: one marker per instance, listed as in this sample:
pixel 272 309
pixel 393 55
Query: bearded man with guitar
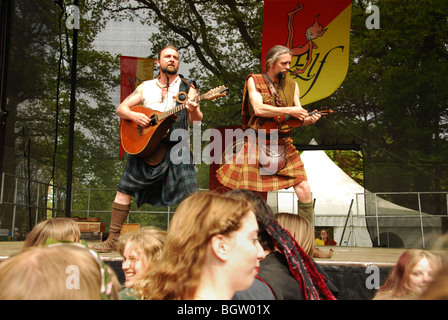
pixel 160 183
pixel 272 100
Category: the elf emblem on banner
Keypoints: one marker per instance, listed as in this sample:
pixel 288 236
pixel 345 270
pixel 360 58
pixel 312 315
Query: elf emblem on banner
pixel 318 34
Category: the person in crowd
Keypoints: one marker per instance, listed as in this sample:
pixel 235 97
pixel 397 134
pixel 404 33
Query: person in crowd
pixel 273 163
pixel 287 272
pixel 302 231
pixel 324 239
pixel 57 229
pixel 211 251
pixel 61 271
pixel 141 251
pixel 163 183
pixel 437 289
pixel 410 276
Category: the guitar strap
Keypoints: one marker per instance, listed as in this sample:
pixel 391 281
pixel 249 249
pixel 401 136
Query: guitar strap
pixel 183 93
pixel 278 103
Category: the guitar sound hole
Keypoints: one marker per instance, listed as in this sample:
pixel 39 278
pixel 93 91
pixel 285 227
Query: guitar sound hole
pixel 153 121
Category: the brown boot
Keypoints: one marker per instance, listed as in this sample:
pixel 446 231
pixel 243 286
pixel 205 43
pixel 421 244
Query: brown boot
pixel 118 216
pixel 305 209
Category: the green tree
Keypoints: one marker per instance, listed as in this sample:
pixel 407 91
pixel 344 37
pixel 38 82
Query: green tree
pixel 39 100
pixel 220 38
pixel 393 100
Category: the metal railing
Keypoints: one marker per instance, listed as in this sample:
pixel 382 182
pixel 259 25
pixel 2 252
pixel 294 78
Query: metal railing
pixel 375 199
pixel 354 212
pixel 43 200
pixel 40 200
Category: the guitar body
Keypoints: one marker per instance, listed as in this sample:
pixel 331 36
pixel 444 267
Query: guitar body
pixel 145 142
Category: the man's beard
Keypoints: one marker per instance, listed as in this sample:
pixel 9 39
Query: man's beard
pixel 169 70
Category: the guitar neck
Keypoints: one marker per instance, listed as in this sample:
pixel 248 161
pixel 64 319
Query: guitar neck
pixel 178 108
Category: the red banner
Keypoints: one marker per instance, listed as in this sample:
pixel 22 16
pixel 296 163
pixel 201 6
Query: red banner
pixel 133 72
pixel 318 33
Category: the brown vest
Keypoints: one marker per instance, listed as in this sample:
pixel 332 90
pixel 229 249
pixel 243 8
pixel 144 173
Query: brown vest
pixel 285 91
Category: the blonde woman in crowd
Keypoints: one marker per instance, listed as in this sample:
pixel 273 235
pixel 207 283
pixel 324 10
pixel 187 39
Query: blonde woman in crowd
pixel 141 251
pixel 410 276
pixel 57 229
pixel 302 231
pixel 211 251
pixel 63 271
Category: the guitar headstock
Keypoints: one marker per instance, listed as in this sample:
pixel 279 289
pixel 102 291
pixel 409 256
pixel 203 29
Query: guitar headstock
pixel 215 93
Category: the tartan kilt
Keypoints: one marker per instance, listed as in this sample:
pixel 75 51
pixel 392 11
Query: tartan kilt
pixel 165 184
pixel 162 185
pixel 245 174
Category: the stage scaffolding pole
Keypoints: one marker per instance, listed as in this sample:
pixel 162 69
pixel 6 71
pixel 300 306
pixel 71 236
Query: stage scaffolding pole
pixel 6 16
pixel 68 204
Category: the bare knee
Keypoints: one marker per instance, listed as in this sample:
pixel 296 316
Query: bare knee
pixel 303 191
pixel 122 198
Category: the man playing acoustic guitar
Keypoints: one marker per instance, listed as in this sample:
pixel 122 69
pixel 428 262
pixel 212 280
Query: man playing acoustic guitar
pixel 168 182
pixel 267 99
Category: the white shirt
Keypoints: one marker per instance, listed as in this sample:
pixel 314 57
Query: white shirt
pixel 152 95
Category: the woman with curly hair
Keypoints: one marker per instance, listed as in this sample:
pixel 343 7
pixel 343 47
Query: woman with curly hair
pixel 211 251
pixel 141 251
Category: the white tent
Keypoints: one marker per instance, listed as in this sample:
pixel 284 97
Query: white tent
pixel 333 191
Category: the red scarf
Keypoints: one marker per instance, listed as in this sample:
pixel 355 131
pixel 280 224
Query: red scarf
pixel 300 264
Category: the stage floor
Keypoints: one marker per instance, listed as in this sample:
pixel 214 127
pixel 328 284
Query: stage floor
pixel 354 256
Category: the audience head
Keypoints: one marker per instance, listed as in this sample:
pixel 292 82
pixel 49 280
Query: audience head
pixel 411 275
pixel 300 229
pixel 141 251
pixel 57 229
pixel 262 212
pixel 438 288
pixel 211 250
pixel 274 237
pixel 324 235
pixel 63 271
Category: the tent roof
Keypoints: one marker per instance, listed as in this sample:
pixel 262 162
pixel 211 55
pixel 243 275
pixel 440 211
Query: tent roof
pixel 332 189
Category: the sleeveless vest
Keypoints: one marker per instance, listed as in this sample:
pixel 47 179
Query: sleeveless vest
pixel 286 92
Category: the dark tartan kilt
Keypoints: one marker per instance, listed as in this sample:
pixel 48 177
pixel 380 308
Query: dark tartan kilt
pixel 165 184
pixel 246 174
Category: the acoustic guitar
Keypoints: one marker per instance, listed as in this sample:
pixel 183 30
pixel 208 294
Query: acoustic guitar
pixel 145 142
pixel 287 122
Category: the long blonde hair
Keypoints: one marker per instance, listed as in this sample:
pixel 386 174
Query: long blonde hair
pixel 149 242
pixel 57 229
pixel 300 229
pixel 397 284
pixel 197 219
pixel 41 273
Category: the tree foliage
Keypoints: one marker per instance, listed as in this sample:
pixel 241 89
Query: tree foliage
pixel 221 39
pixel 39 93
pixel 393 101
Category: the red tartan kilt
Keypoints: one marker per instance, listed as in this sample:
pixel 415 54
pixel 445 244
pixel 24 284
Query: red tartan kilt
pixel 246 174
